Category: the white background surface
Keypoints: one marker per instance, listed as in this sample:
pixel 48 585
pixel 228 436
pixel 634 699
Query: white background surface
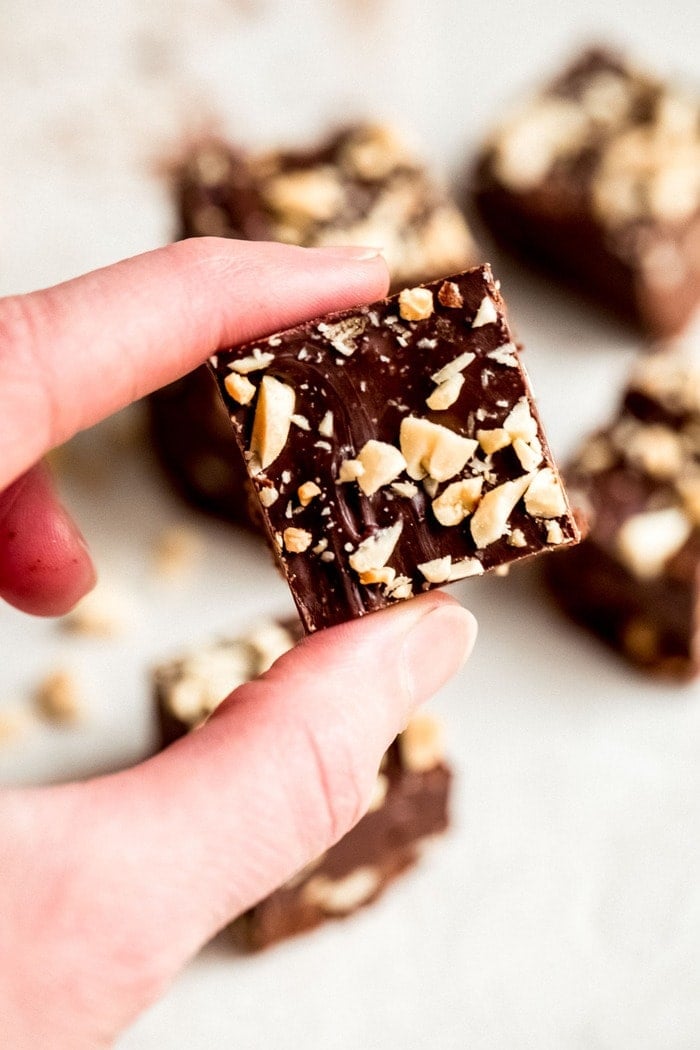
pixel 564 909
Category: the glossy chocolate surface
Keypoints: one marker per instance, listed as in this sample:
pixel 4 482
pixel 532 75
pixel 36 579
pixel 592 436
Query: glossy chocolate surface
pixel 367 371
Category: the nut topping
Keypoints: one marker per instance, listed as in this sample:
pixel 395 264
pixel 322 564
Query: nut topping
pixel 296 540
pixel 255 362
pixel 429 448
pixel 308 491
pixel 457 501
pixel 493 440
pixel 646 541
pixel 452 368
pixel 450 296
pixel 415 304
pixel 273 417
pixel 381 463
pixel 437 570
pixel 545 496
pixel 350 470
pixel 340 896
pixel 490 519
pixel 375 551
pixel 385 575
pixel 239 388
pixel 486 314
pixel 313 194
pixel 445 394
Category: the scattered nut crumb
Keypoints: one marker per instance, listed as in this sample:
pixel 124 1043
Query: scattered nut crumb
pixel 401 588
pixel 467 567
pixel 177 550
pixel 529 454
pixel 404 488
pixel 301 422
pixel 57 698
pixel 102 613
pixel 14 723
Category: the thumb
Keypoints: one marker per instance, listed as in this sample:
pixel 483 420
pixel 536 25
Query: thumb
pixel 145 866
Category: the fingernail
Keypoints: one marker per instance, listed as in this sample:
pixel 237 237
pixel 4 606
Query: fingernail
pixel 435 648
pixel 351 252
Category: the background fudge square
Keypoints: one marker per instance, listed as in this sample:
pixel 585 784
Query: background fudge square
pixel 361 185
pixel 596 179
pixel 634 578
pixel 395 448
pixel 409 804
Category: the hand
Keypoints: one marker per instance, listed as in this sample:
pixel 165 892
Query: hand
pixel 108 887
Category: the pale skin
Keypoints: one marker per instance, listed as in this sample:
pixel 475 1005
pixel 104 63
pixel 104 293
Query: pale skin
pixel 109 887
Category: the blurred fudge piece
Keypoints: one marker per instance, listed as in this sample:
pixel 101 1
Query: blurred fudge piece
pixel 409 804
pixel 361 186
pixel 635 579
pixel 597 181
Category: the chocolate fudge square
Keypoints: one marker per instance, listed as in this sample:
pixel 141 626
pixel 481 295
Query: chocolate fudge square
pixel 362 185
pixel 394 448
pixel 597 180
pixel 634 579
pixel 409 804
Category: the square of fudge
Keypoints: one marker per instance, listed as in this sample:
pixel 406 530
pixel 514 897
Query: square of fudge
pixel 409 804
pixel 395 447
pixel 361 185
pixel 635 579
pixel 596 180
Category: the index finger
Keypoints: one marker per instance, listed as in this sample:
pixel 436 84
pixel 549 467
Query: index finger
pixel 72 354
